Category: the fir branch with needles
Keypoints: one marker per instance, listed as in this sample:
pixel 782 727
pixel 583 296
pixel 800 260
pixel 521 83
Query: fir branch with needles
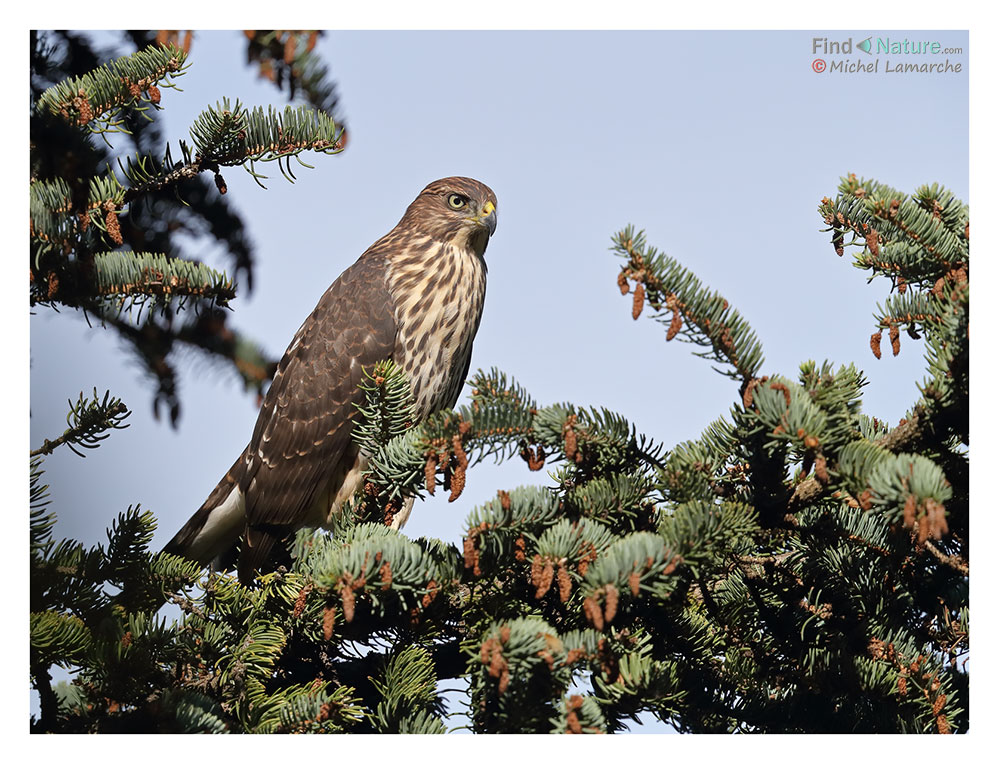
pixel 92 99
pixel 89 422
pixel 693 313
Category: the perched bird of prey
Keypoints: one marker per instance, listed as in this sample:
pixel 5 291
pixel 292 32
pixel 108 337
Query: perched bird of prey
pixel 415 296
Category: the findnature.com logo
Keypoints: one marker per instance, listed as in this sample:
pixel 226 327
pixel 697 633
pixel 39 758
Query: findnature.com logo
pixel 874 48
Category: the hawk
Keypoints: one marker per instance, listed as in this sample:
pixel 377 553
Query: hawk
pixel 415 297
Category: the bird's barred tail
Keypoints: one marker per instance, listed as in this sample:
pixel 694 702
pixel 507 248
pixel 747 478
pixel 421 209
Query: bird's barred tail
pixel 216 526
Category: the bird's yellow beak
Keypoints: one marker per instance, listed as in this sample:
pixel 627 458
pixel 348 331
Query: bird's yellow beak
pixel 487 217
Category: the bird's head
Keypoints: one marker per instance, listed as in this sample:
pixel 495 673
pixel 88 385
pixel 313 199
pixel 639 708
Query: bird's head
pixel 461 211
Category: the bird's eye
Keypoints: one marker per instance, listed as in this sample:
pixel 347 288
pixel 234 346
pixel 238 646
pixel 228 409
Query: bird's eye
pixel 456 201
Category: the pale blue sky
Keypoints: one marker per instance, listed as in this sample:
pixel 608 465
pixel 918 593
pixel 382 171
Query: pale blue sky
pixel 719 144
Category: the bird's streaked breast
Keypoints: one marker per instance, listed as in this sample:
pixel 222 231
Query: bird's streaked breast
pixel 439 300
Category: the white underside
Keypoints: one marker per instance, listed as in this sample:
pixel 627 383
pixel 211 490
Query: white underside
pixel 227 521
pixel 223 526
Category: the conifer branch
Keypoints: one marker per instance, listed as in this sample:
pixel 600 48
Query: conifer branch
pixel 500 421
pixel 288 56
pixel 141 274
pixel 693 313
pixel 905 437
pixel 87 100
pixel 89 420
pixel 57 219
pixel 206 332
pixel 922 236
pixel 230 135
pixel 954 561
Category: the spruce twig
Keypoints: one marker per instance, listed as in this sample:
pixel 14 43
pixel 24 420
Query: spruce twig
pixel 88 422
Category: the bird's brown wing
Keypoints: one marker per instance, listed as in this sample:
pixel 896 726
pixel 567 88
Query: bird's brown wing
pixel 303 432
